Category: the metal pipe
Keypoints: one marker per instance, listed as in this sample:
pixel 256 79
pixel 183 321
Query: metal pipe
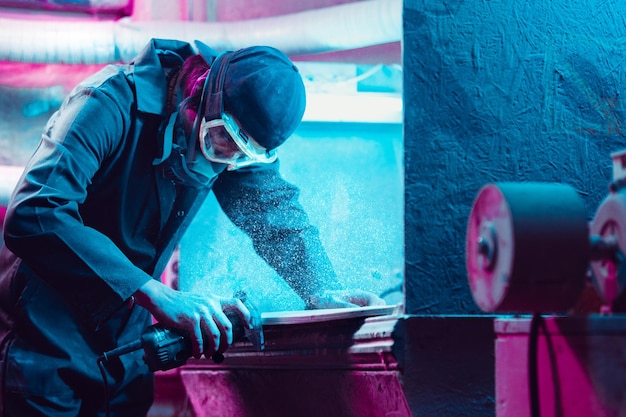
pixel 343 27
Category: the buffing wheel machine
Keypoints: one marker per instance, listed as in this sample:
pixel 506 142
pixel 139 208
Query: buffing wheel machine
pixel 531 248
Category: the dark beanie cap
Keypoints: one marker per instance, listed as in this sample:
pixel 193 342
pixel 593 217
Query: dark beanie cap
pixel 263 89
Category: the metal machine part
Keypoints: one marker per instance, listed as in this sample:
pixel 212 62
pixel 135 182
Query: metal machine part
pixel 527 247
pixel 164 348
pixel 608 233
pixel 608 239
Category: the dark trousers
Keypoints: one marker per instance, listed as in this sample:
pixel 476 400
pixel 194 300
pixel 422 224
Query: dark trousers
pixel 131 399
pixel 49 364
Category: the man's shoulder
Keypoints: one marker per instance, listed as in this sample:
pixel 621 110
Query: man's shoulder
pixel 108 74
pixel 111 80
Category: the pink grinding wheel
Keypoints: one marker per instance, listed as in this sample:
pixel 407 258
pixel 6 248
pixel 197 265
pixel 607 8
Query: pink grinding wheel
pixel 527 247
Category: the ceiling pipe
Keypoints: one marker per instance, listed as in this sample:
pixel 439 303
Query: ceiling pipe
pixel 336 28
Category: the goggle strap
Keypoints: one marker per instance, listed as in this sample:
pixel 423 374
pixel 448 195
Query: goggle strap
pixel 215 83
pixel 213 77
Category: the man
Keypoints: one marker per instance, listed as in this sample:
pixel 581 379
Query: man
pixel 121 170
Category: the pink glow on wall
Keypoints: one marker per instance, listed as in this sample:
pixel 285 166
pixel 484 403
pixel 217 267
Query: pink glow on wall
pixel 115 7
pixel 26 75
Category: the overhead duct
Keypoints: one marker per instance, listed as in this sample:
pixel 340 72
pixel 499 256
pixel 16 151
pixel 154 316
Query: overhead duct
pixel 343 27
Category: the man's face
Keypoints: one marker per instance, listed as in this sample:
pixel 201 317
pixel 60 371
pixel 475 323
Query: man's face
pixel 223 145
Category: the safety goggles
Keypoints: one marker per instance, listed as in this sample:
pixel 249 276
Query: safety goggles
pixel 224 141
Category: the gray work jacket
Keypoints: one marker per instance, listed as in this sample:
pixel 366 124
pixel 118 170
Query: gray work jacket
pixel 94 219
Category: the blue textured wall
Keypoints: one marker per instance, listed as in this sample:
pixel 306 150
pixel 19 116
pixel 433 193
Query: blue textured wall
pixel 494 91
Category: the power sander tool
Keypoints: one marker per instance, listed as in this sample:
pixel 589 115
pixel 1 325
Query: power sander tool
pixel 166 348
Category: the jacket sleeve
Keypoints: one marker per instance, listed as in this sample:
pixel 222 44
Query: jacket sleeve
pixel 265 206
pixel 43 224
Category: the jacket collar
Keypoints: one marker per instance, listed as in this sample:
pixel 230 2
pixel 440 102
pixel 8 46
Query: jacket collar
pixel 150 84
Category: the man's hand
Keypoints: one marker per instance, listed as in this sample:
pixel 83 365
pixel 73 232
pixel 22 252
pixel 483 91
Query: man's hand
pixel 344 299
pixel 201 316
